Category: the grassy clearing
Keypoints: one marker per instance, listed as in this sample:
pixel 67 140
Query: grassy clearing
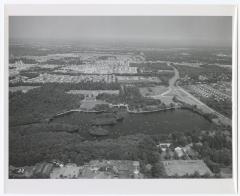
pixel 151 91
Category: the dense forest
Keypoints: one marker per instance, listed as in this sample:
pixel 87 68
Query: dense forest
pixel 213 73
pixel 39 104
pixel 26 150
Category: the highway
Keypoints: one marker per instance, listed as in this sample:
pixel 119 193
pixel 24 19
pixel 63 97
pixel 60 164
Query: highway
pixel 221 117
pixel 174 88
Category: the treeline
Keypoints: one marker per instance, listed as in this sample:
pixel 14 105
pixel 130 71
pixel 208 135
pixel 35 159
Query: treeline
pixel 163 76
pixel 106 57
pixel 154 66
pixel 64 61
pixel 61 61
pixel 88 85
pixel 30 50
pixel 191 55
pixel 212 73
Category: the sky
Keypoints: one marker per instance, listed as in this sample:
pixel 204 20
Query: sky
pixel 166 30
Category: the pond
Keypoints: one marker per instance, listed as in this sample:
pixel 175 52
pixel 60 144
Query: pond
pixel 151 123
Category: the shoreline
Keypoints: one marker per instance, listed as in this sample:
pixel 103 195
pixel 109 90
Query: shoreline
pixel 153 111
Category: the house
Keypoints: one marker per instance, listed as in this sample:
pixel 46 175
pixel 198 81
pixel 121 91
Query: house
pixel 179 153
pixel 163 146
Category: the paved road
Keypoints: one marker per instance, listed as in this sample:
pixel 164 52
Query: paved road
pixel 174 89
pixel 172 81
pixel 221 117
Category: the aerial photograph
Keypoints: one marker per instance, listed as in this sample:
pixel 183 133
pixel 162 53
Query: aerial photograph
pixel 120 97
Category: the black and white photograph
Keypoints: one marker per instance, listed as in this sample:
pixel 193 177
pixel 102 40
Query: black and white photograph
pixel 120 97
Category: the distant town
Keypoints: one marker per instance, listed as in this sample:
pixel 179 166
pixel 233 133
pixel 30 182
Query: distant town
pixel 105 113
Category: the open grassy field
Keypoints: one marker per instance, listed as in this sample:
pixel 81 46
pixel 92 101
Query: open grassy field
pixel 185 167
pixel 151 91
pixel 90 104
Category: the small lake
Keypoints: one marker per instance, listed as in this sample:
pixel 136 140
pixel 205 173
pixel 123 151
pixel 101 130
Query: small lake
pixel 151 123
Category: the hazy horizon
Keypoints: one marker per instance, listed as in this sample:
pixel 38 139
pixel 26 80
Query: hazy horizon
pixel 181 31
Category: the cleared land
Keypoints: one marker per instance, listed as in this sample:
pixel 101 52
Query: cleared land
pixel 186 167
pixel 90 104
pixel 152 91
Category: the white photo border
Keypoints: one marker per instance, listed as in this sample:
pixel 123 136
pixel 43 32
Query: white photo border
pixel 144 186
